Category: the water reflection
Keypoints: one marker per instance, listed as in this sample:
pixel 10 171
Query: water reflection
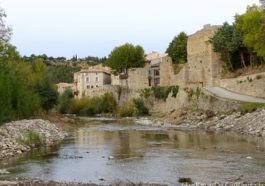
pixel 143 154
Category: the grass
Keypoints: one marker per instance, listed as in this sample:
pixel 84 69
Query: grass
pixel 246 107
pixel 31 138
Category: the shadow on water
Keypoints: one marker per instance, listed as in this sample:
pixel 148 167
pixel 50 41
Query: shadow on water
pixel 143 154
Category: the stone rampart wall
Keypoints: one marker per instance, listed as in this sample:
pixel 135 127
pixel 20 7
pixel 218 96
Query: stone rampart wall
pixel 252 85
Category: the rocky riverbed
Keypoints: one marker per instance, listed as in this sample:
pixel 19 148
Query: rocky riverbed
pixel 21 136
pixel 250 123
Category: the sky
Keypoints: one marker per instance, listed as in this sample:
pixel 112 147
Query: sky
pixel 95 27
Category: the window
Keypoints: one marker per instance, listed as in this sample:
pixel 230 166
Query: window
pixel 157 81
pixel 97 86
pixel 156 72
pixel 88 86
pixel 149 72
pixel 97 79
pixel 87 79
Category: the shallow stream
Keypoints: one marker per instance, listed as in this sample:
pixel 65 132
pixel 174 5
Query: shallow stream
pixel 143 154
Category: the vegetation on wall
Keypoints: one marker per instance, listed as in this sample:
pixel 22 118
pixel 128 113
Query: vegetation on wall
pixel 140 108
pixel 163 92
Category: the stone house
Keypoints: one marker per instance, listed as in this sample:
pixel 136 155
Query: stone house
pixel 157 72
pixel 90 79
pixel 61 87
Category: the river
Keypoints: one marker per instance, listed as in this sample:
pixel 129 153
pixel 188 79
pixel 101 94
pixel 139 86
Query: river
pixel 143 154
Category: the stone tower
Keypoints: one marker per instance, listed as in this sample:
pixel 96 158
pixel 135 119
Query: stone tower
pixel 204 65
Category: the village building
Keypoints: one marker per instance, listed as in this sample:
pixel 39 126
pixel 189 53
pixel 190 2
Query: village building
pixel 90 79
pixel 203 68
pixel 61 87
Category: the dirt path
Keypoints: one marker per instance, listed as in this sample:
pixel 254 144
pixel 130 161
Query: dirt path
pixel 223 93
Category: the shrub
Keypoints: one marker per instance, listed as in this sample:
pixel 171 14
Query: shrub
pixel 198 93
pixel 246 107
pixel 163 92
pixel 146 93
pixel 95 105
pixel 159 92
pixel 127 109
pixel 175 90
pixel 140 109
pixel 77 105
pixel 31 138
pixel 258 76
pixel 249 79
pixel 65 101
pixel 190 93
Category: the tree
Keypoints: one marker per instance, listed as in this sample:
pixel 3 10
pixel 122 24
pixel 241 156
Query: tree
pixel 177 49
pixel 252 24
pixel 125 57
pixel 222 41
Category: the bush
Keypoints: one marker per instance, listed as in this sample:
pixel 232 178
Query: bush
pixel 92 106
pixel 140 109
pixel 163 92
pixel 246 107
pixel 127 109
pixel 65 101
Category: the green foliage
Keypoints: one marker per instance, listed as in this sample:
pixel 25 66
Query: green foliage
pixel 190 93
pixel 246 107
pixel 127 109
pixel 31 138
pixel 177 49
pixel 160 92
pixel 198 92
pixel 140 109
pixel 175 90
pixel 125 57
pixel 119 93
pixel 228 41
pixel 146 93
pixel 65 101
pixel 163 92
pixel 92 106
pixel 252 24
pixel 62 73
pixel 249 79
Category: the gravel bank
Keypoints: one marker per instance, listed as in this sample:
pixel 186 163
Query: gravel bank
pixel 251 123
pixel 21 136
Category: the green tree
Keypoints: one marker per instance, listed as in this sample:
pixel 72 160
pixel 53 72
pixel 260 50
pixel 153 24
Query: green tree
pixel 177 49
pixel 222 43
pixel 252 24
pixel 65 101
pixel 125 57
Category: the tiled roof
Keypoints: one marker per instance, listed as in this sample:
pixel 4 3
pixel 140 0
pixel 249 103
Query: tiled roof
pixel 65 84
pixel 94 70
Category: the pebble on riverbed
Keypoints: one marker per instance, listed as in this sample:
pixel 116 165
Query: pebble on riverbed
pixel 4 171
pixel 14 134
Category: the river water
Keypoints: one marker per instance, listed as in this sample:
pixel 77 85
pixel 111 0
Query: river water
pixel 143 154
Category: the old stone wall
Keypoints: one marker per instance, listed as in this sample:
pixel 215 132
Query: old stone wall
pixel 198 100
pixel 252 85
pixel 138 77
pixel 204 65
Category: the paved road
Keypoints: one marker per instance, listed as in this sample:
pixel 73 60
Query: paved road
pixel 223 93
